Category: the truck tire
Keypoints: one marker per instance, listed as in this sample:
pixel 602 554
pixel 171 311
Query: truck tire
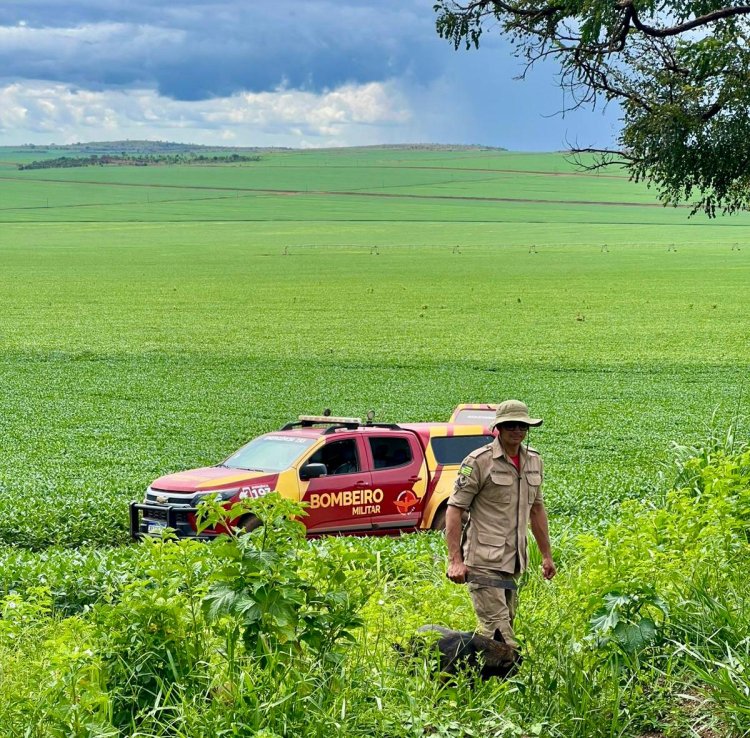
pixel 438 520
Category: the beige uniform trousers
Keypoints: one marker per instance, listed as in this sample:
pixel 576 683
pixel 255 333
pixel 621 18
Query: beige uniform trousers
pixel 495 607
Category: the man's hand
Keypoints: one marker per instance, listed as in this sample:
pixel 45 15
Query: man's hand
pixel 540 529
pixel 457 572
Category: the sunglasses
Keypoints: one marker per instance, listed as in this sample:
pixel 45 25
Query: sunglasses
pixel 514 426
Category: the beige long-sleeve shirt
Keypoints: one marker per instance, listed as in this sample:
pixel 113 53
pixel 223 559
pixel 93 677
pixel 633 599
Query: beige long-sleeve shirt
pixel 498 497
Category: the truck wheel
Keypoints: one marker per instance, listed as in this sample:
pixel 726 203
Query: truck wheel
pixel 249 523
pixel 438 521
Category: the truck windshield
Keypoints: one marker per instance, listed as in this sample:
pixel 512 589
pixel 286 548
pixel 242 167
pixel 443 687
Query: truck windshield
pixel 467 416
pixel 269 453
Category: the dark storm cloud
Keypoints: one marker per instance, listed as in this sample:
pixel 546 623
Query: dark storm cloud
pixel 196 50
pixel 286 72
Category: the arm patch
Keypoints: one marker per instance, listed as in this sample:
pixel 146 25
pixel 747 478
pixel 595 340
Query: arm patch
pixel 465 470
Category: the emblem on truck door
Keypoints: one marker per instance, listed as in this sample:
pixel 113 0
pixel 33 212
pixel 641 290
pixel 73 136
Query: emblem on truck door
pixel 406 501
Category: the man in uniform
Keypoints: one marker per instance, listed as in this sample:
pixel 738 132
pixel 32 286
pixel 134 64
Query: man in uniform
pixel 500 485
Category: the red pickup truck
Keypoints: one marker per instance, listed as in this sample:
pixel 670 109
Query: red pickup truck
pixel 355 477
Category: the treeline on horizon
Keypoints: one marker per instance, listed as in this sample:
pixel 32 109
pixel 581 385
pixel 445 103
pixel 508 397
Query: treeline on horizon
pixel 124 159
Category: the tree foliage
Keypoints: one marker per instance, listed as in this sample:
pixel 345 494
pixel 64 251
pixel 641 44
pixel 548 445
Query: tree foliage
pixel 679 69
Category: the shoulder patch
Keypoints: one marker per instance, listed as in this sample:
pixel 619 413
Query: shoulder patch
pixel 466 470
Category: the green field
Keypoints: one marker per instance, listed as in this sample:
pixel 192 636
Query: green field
pixel 154 318
pixel 221 318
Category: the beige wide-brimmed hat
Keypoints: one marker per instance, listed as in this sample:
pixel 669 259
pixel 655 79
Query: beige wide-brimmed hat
pixel 514 411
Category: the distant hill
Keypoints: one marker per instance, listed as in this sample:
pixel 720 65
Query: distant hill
pixel 125 153
pixel 157 148
pixel 132 148
pixel 149 153
pixel 429 147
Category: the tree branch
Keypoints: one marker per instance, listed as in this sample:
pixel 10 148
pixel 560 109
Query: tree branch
pixel 702 20
pixel 594 76
pixel 678 68
pixel 480 8
pixel 604 158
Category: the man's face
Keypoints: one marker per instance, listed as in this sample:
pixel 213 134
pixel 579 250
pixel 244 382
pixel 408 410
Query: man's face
pixel 512 434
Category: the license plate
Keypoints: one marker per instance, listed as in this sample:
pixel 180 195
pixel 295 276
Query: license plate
pixel 155 528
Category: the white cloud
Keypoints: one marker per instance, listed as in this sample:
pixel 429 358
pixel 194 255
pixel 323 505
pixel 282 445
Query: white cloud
pixel 353 114
pixel 369 104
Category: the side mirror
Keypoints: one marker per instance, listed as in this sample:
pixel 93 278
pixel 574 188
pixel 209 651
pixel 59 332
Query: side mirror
pixel 313 471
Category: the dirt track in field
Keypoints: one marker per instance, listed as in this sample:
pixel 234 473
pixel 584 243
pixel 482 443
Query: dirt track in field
pixel 344 193
pixel 595 175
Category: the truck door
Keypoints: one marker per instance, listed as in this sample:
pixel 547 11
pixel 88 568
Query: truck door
pixel 399 475
pixel 341 501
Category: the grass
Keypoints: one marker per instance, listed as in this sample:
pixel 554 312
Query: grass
pixel 153 319
pixel 136 347
pixel 135 358
pixel 354 185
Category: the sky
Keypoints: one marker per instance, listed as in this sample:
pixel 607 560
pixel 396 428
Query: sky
pixel 296 73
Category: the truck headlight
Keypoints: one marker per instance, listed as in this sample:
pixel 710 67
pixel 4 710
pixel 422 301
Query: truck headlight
pixel 223 495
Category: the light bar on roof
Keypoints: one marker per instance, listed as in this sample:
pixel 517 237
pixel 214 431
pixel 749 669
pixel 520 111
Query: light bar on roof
pixel 330 419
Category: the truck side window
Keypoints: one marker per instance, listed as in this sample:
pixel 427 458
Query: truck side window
pixel 340 457
pixel 454 449
pixel 389 452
